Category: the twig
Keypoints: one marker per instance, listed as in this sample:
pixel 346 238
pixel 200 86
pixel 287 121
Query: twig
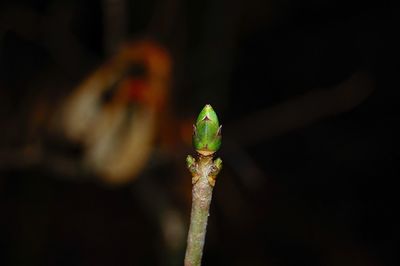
pixel 207 140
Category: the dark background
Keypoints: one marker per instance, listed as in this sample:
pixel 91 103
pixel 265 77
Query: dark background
pixel 319 191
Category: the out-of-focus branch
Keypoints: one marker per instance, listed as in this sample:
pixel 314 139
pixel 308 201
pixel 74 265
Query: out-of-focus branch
pixel 302 111
pixel 35 156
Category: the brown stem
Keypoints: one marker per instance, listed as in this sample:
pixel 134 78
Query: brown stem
pixel 203 172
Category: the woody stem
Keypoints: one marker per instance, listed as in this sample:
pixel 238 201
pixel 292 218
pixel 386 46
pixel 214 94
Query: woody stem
pixel 202 194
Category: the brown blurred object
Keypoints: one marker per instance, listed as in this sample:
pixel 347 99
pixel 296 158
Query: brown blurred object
pixel 115 113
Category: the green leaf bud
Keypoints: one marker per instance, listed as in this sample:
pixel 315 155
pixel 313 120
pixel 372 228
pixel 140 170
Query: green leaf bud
pixel 207 132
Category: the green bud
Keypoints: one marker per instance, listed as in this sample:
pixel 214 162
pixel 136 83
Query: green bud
pixel 218 164
pixel 190 161
pixel 207 132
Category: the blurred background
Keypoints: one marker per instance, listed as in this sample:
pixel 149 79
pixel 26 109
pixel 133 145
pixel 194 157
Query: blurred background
pixel 97 102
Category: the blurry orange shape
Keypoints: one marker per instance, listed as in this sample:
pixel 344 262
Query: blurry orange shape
pixel 114 113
